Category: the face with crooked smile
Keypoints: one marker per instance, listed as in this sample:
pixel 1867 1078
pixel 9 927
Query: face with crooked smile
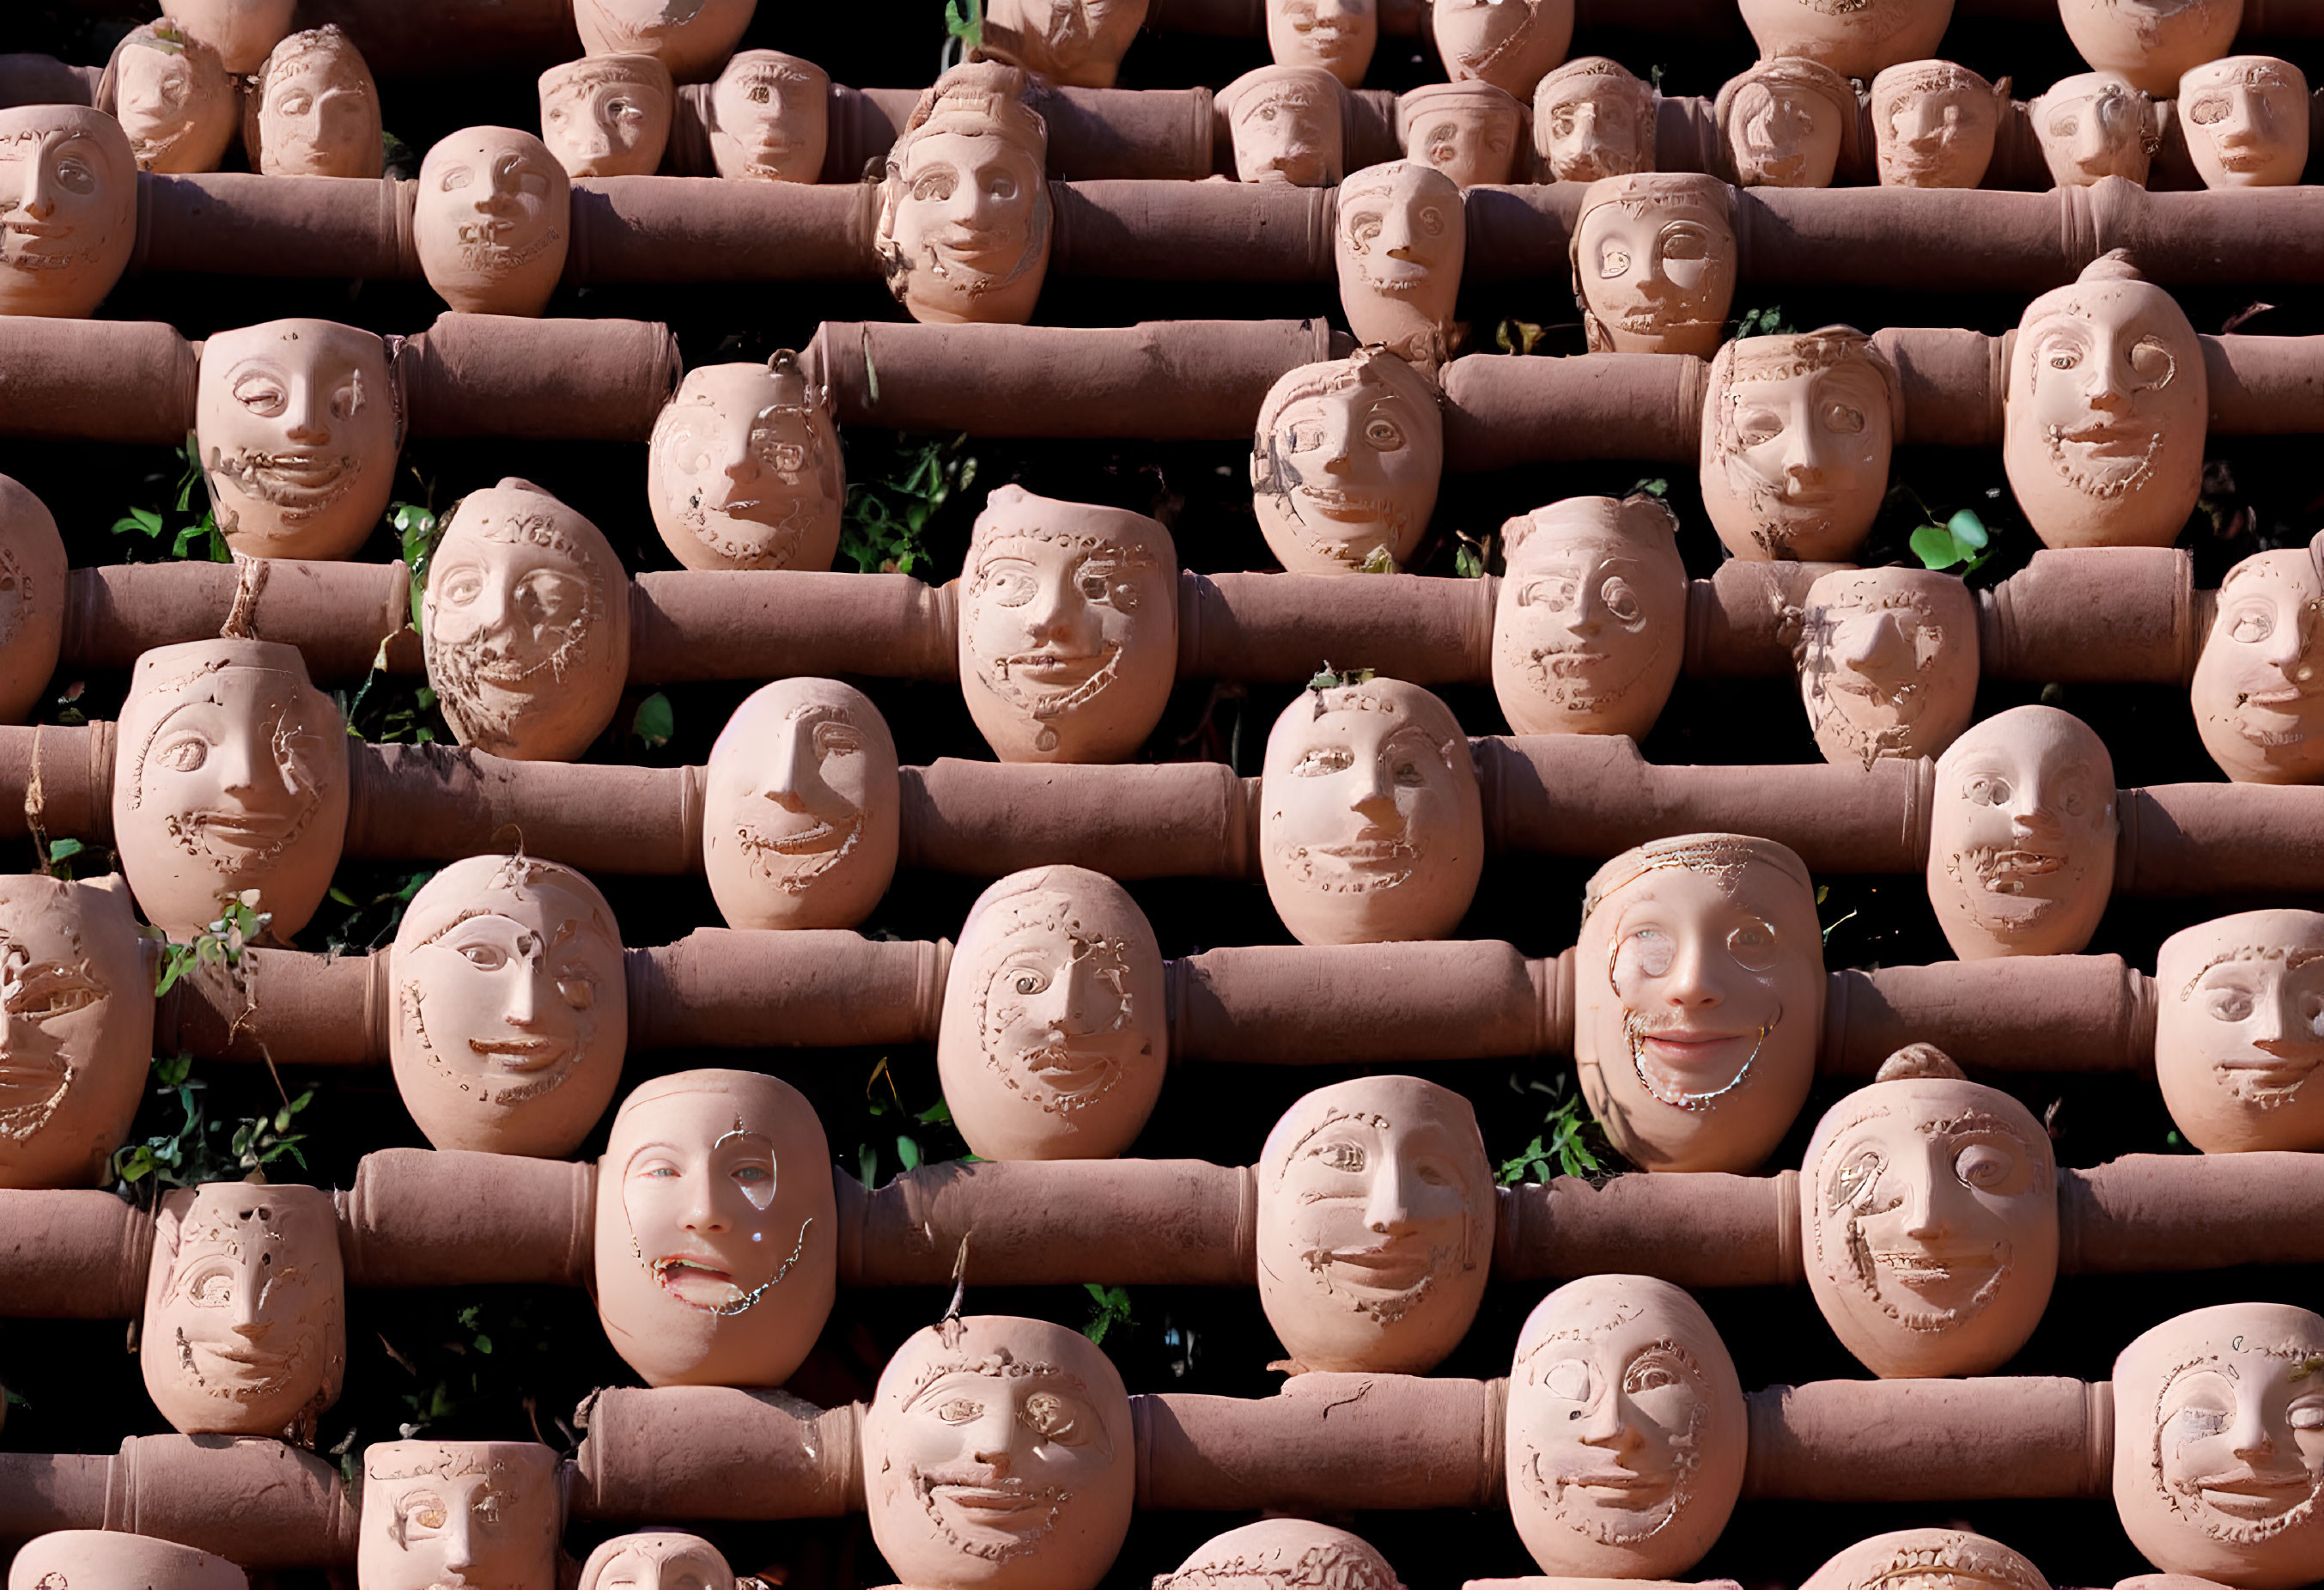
pixel 964 210
pixel 76 1026
pixel 2239 1032
pixel 1653 263
pixel 1345 465
pixel 1588 623
pixel 2022 839
pixel 2258 690
pixel 1887 663
pixel 744 469
pixel 606 115
pixel 67 208
pixel 299 429
pixel 768 117
pixel 799 816
pixel 492 220
pixel 1796 437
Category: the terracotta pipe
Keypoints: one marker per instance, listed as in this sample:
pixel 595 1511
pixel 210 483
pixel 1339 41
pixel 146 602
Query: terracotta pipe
pixel 261 1503
pixel 338 615
pixel 761 625
pixel 1247 19
pixel 26 79
pixel 421 1217
pixel 1935 1440
pixel 1156 134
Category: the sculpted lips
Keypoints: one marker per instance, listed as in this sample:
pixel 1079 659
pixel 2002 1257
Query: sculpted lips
pixel 2248 1494
pixel 696 1278
pixel 1397 1265
pixel 1925 1269
pixel 299 482
pixel 29 1078
pixel 1006 1516
pixel 247 833
pixel 522 1054
pixel 1347 507
pixel 1374 849
pixel 1065 1069
pixel 2003 871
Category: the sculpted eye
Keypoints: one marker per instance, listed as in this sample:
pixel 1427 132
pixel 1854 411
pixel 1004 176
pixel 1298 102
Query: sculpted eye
pixel 485 958
pixel 2064 125
pixel 1027 981
pixel 347 401
pixel 2207 110
pixel 577 992
pixel 2252 624
pixel 1432 221
pixel 1853 1183
pixel 958 1409
pixel 2075 802
pixel 2151 362
pixel 1001 185
pixel 1753 945
pixel 532 184
pixel 1686 242
pixel 424 1511
pixel 1614 263
pixel 1011 587
pixel 1568 1381
pixel 759 95
pixel 2202 1421
pixel 456 177
pixel 1052 1418
pixel 1986 1167
pixel 1843 421
pixel 463 585
pixel 1342 1156
pixel 1620 600
pixel 2229 1004
pixel 46 995
pixel 1985 789
pixel 935 185
pixel 2305 1416
pixel 1363 227
pixel 75 176
pixel 1383 433
pixel 1557 592
pixel 261 394
pixel 837 739
pixel 1652 950
pixel 183 754
pixel 1754 427
pixel 1651 1374
pixel 1326 759
pixel 295 104
pixel 2065 358
pixel 1408 774
pixel 210 1288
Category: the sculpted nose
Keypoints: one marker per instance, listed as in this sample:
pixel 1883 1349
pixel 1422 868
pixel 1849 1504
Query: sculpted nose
pixel 1872 646
pixel 1389 1207
pixel 521 1007
pixel 1606 1427
pixel 2253 1441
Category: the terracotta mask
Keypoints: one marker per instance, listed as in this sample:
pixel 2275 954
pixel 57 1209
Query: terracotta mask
pixel 76 1028
pixel 1654 260
pixel 1888 661
pixel 2246 121
pixel 964 212
pixel 301 425
pixel 2258 690
pixel 2106 414
pixel 1344 466
pixel 1472 132
pixel 607 116
pixel 769 117
pixel 1927 1560
pixel 1402 235
pixel 1282 1554
pixel 717 1235
pixel 1288 123
pixel 232 777
pixel 477 1514
pixel 492 220
pixel 1589 625
pixel 32 579
pixel 1934 123
pixel 745 471
pixel 243 32
pixel 1369 827
pixel 67 208
pixel 2094 125
pixel 1625 1430
pixel 661 1560
pixel 511 1011
pixel 1784 124
pixel 2219 1445
pixel 1506 43
pixel 317 109
pixel 1593 117
pixel 172 95
pixel 1338 35
pixel 1699 989
pixel 107 1559
pixel 1074 43
pixel 527 624
pixel 692 37
pixel 2152 42
pixel 2022 839
pixel 2239 1032
pixel 1069 628
pixel 1796 436
pixel 800 809
pixel 1054 1038
pixel 244 1331
pixel 1854 38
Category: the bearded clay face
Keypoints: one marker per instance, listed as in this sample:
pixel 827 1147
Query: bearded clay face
pixel 1784 123
pixel 2152 42
pixel 243 32
pixel 1507 44
pixel 1653 263
pixel 319 113
pixel 1282 1554
pixel 1933 125
pixel 299 431
pixel 2239 1032
pixel 493 219
pixel 2094 125
pixel 692 37
pixel 1470 132
pixel 1796 435
pixel 1402 235
pixel 1928 1560
pixel 744 470
pixel 661 1560
pixel 67 208
pixel 1625 1430
pixel 478 1515
pixel 768 117
pixel 233 776
pixel 1887 662
pixel 1053 1042
pixel 2246 121
pixel 964 212
pixel 1345 465
pixel 800 818
pixel 511 1011
pixel 527 624
pixel 2021 842
pixel 1854 38
pixel 101 1560
pixel 606 115
pixel 717 1235
pixel 1338 35
pixel 172 95
pixel 76 1028
pixel 244 1331
pixel 1074 43
pixel 1590 626
pixel 2258 692
pixel 2219 1448
pixel 1593 118
pixel 1288 125
pixel 32 577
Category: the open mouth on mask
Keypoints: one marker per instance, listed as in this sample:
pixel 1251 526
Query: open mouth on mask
pixel 301 482
pixel 1394 1264
pixel 2103 457
pixel 2254 1495
pixel 1073 1075
pixel 1364 509
pixel 1049 683
pixel 2011 869
pixel 994 1519
pixel 238 839
pixel 1691 1068
pixel 241 1371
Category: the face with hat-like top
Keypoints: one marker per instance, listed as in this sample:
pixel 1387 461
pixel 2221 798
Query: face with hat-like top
pixel 1784 124
pixel 1797 432
pixel 1345 464
pixel 1287 125
pixel 1472 132
pixel 1593 118
pixel 964 212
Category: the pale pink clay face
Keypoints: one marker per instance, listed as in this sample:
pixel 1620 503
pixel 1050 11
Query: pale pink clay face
pixel 2239 1032
pixel 439 1514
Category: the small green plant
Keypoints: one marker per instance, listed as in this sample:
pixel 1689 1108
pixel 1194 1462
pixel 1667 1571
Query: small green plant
pixel 1568 1144
pixel 963 29
pixel 390 710
pixel 1961 541
pixel 654 722
pixel 199 539
pixel 1654 485
pixel 1109 1309
pixel 887 517
pixel 58 856
pixel 1765 322
pixel 371 922
pixel 1824 890
pixel 1518 336
pixel 1471 555
pixel 1331 678
pixel 882 1102
pixel 1381 561
pixel 417 528
pixel 239 925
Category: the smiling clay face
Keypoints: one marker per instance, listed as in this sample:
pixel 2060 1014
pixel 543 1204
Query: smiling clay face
pixel 76 1028
pixel 800 813
pixel 243 32
pixel 2022 839
pixel 661 1559
pixel 492 221
pixel 1282 1554
pixel 1933 125
pixel 2093 125
pixel 1345 464
pixel 1856 40
pixel 2246 121
pixel 479 1514
pixel 67 208
pixel 1928 1560
pixel 1593 118
pixel 1654 260
pixel 2152 42
pixel 964 210
pixel 606 115
pixel 1287 123
pixel 1074 43
pixel 1784 123
pixel 300 427
pixel 1796 437
pixel 1589 625
pixel 172 95
pixel 1888 661
pixel 318 109
pixel 692 37
pixel 1470 132
pixel 744 470
pixel 2239 1032
pixel 2258 690
pixel 1338 35
pixel 1401 238
pixel 1506 43
pixel 32 581
pixel 768 117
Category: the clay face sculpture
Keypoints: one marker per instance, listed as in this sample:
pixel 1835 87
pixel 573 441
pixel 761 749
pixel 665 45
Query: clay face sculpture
pixel 232 778
pixel 244 1331
pixel 996 1456
pixel 2258 692
pixel 1625 1430
pixel 1784 123
pixel 661 1560
pixel 527 624
pixel 1933 125
pixel 717 1236
pixel 769 117
pixel 1401 238
pixel 606 115
pixel 1369 827
pixel 1854 39
pixel 2021 842
pixel 243 32
pixel 2152 42
pixel 2246 121
pixel 1069 628
pixel 1344 467
pixel 1470 132
pixel 103 1559
pixel 2105 417
pixel 745 470
pixel 1927 1560
pixel 1888 661
pixel 32 579
pixel 2219 1448
pixel 965 213
pixel 1797 434
pixel 318 109
pixel 1287 123
pixel 1589 625
pixel 692 37
pixel 1282 1554
pixel 1053 1041
pixel 67 208
pixel 1653 263
pixel 1506 43
pixel 2239 1032
pixel 479 1514
pixel 1338 35
pixel 1593 118
pixel 2094 125
pixel 1699 991
pixel 172 95
pixel 301 425
pixel 799 815
pixel 1074 43
pixel 511 1014
pixel 76 1028
pixel 492 220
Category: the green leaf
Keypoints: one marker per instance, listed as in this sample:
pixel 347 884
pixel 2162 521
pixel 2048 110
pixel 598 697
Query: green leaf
pixel 1467 563
pixel 64 849
pixel 342 897
pixel 1380 562
pixel 908 1152
pixel 655 721
pixel 1967 529
pixel 483 1344
pixel 1654 487
pixel 936 1113
pixel 1934 546
pixel 867 1165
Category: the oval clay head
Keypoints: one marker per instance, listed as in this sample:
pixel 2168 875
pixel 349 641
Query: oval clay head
pixel 1653 259
pixel 1074 43
pixel 744 469
pixel 1338 35
pixel 1055 1040
pixel 2244 118
pixel 1472 132
pixel 2152 42
pixel 1506 44
pixel 315 109
pixel 1797 432
pixel 1593 117
pixel 2239 1032
pixel 1287 123
pixel 799 818
pixel 1786 123
pixel 78 1036
pixel 1887 662
pixel 1345 463
pixel 1400 240
pixel 172 95
pixel 32 581
pixel 717 1234
pixel 607 116
pixel 1927 1560
pixel 1282 1554
pixel 67 208
pixel 1590 623
pixel 492 220
pixel 103 1559
pixel 692 37
pixel 1934 123
pixel 769 117
pixel 660 1559
pixel 478 1513
pixel 1855 40
pixel 1625 1430
pixel 965 213
pixel 243 32
pixel 2092 126
pixel 2258 690
pixel 2022 837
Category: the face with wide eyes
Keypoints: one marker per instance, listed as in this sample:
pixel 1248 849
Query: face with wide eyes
pixel 1400 235
pixel 2101 391
pixel 761 111
pixel 1350 470
pixel 59 196
pixel 508 994
pixel 2246 123
pixel 2239 1440
pixel 317 118
pixel 1652 269
pixel 1288 138
pixel 1807 452
pixel 495 200
pixel 2100 131
pixel 1609 1430
pixel 992 1461
pixel 1583 619
pixel 1704 978
pixel 459 1530
pixel 1593 135
pixel 699 1194
pixel 2023 829
pixel 1367 793
pixel 1469 146
pixel 238 773
pixel 967 206
pixel 601 126
pixel 2258 690
pixel 1374 1206
pixel 1782 136
pixel 1058 1022
pixel 1048 623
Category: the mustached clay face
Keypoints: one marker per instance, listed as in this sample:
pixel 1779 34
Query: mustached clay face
pixel 1784 123
pixel 662 1559
pixel 172 95
pixel 100 1559
pixel 769 117
pixel 1506 44
pixel 1593 118
pixel 1854 38
pixel 1472 132
pixel 67 208
pixel 1796 436
pixel 301 425
pixel 1928 1560
pixel 1282 1554
pixel 606 115
pixel 1345 464
pixel 76 1028
pixel 243 32
pixel 1654 260
pixel 1287 125
pixel 744 469
pixel 458 1515
pixel 2152 42
pixel 492 221
pixel 965 211
pixel 1933 125
pixel 2239 1032
pixel 32 579
pixel 2258 690
pixel 1074 43
pixel 1402 235
pixel 2094 125
pixel 1338 35
pixel 2246 121
pixel 692 37
pixel 1888 661
pixel 2022 839
pixel 1589 625
pixel 318 109
pixel 800 816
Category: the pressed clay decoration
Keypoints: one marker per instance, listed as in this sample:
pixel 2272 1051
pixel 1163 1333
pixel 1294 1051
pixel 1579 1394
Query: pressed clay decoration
pixel 799 814
pixel 1069 628
pixel 1054 1040
pixel 2022 837
pixel 231 777
pixel 965 211
pixel 2094 125
pixel 1345 464
pixel 660 1560
pixel 511 1014
pixel 1654 262
pixel 2152 42
pixel 1074 43
pixel 606 115
pixel 1472 132
pixel 1929 1208
pixel 1589 625
pixel 172 95
pixel 1625 1430
pixel 769 117
pixel 80 1031
pixel 692 37
pixel 1592 118
pixel 998 1455
pixel 2246 121
pixel 1927 1560
pixel 301 423
pixel 1796 436
pixel 527 624
pixel 1508 45
pixel 1784 124
pixel 243 32
pixel 67 208
pixel 1399 247
pixel 2258 690
pixel 717 1234
pixel 1287 123
pixel 32 577
pixel 109 1559
pixel 483 1514
pixel 2239 1032
pixel 1888 661
pixel 244 1331
pixel 1934 125
pixel 2219 1445
pixel 1699 990
pixel 315 110
pixel 1375 1226
pixel 1282 1554
pixel 1338 35
pixel 1370 828
pixel 744 469
pixel 2104 418
pixel 1856 40
pixel 492 220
